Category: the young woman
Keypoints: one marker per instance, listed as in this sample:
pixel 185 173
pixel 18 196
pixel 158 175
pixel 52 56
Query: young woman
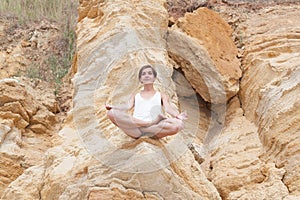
pixel 147 118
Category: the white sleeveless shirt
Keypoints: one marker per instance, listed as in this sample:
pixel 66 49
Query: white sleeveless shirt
pixel 147 109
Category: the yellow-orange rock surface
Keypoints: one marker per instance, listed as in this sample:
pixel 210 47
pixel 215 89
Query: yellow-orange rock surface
pixel 270 87
pixel 211 66
pixel 241 140
pixel 27 120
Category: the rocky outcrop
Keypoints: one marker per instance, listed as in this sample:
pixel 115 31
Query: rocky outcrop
pixel 102 71
pixel 111 49
pixel 271 86
pixel 206 54
pixel 233 159
pixel 27 119
pixel 241 138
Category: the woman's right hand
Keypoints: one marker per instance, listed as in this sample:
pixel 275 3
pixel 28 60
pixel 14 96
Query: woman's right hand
pixel 108 107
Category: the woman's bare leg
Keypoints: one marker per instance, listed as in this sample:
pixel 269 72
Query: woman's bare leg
pixel 124 122
pixel 160 128
pixel 169 126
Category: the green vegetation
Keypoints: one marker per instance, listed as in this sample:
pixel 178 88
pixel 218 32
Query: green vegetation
pixel 61 12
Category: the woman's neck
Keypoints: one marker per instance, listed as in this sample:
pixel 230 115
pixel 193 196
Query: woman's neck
pixel 148 87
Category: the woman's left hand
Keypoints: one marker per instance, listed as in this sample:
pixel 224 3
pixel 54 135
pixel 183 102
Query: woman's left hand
pixel 182 116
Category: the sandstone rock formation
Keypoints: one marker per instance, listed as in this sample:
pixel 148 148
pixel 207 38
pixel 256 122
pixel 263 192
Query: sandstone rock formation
pixel 27 120
pixel 211 66
pixel 270 91
pixel 268 160
pixel 240 141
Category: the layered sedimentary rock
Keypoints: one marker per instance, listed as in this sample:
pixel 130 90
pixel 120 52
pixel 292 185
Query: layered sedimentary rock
pixel 206 54
pixel 233 159
pixel 234 165
pixel 26 125
pixel 101 161
pixel 271 87
pixel 251 153
pixel 269 159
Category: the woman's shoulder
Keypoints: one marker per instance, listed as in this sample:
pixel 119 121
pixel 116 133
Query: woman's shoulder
pixel 162 94
pixel 134 94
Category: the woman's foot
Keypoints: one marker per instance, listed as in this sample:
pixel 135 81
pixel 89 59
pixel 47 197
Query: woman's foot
pixel 159 118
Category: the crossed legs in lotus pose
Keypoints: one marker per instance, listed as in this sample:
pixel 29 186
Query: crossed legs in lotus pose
pixel 159 128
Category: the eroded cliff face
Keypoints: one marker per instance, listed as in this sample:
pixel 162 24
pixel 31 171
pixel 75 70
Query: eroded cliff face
pixel 272 67
pixel 28 120
pixel 240 141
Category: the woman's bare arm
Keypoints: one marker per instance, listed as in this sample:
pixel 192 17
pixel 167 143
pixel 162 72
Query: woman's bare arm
pixel 171 109
pixel 167 106
pixel 125 106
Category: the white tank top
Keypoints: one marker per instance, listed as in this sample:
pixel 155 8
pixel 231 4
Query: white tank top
pixel 147 109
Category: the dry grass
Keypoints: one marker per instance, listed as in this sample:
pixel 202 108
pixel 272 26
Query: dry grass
pixel 63 13
pixel 26 10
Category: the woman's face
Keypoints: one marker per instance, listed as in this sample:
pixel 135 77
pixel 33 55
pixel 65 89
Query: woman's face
pixel 147 76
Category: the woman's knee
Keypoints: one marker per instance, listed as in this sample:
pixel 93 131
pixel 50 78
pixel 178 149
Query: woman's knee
pixel 178 126
pixel 110 115
pixel 174 128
